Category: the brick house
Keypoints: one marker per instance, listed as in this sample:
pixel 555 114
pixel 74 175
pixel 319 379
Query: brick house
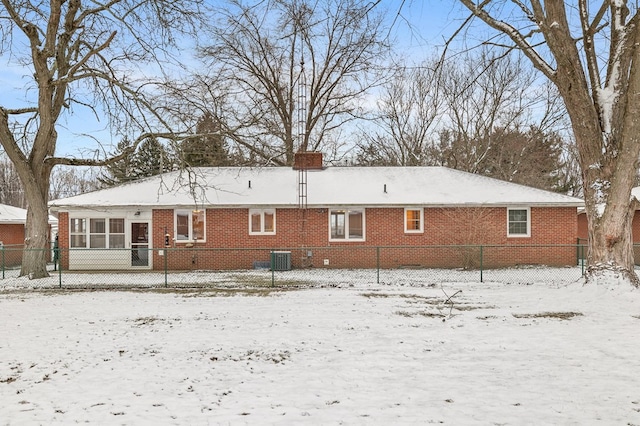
pixel 325 217
pixel 12 232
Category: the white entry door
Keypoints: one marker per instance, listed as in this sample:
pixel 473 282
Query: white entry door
pixel 139 243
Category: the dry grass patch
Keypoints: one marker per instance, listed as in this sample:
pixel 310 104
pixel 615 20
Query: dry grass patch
pixel 556 315
pixel 231 292
pixel 425 314
pixel 264 281
pixel 446 305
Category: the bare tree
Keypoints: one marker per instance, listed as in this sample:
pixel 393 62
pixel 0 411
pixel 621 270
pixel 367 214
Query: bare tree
pixel 293 71
pixel 80 55
pixel 571 178
pixel 589 50
pixel 480 112
pixel 67 181
pixel 11 192
pixel 470 232
pixel 409 108
pixel 485 90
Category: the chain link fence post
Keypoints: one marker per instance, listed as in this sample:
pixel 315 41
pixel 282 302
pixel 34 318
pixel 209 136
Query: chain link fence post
pixel 272 258
pixel 166 267
pixel 59 258
pixel 481 259
pixel 378 265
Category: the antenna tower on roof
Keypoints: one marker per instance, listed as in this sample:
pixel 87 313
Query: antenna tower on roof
pixel 301 109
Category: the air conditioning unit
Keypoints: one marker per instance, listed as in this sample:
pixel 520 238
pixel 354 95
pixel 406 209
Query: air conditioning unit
pixel 281 260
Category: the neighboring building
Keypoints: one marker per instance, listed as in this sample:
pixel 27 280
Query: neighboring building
pixel 325 217
pixel 12 232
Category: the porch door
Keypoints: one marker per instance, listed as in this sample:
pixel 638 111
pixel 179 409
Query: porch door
pixel 139 243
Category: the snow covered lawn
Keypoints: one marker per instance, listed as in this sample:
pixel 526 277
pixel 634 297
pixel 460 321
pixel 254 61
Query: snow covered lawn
pixel 456 353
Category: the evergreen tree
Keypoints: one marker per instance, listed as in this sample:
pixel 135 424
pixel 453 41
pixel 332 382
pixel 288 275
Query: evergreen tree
pixel 118 171
pixel 208 147
pixel 150 159
pixel 531 157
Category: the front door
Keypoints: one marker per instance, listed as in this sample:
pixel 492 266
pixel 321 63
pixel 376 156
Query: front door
pixel 139 244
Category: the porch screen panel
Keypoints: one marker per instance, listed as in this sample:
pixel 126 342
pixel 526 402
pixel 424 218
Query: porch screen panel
pixel 97 233
pixel 116 233
pixel 78 233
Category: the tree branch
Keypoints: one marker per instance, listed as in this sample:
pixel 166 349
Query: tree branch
pixel 515 35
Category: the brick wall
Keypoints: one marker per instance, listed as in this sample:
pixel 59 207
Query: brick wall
pixel 63 238
pixel 305 233
pixel 297 230
pixel 12 236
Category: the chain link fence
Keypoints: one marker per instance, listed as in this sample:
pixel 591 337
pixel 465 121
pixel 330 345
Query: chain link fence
pixel 309 266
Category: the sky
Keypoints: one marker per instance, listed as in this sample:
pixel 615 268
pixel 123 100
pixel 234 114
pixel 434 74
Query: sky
pixel 344 351
pixel 422 26
pixel 419 28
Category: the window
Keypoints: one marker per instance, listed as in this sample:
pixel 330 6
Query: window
pixel 262 222
pixel 518 222
pixel 413 220
pixel 116 233
pixel 97 233
pixel 78 232
pixel 101 233
pixel 189 225
pixel 346 224
pixel 197 224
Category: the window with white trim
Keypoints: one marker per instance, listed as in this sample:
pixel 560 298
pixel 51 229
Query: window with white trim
pixel 518 222
pixel 346 225
pixel 189 225
pixel 413 220
pixel 101 233
pixel 262 222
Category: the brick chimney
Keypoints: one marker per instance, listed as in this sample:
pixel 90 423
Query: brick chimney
pixel 307 160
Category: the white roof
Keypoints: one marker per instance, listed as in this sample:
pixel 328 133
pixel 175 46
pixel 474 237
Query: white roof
pixel 333 186
pixel 10 214
pixel 16 215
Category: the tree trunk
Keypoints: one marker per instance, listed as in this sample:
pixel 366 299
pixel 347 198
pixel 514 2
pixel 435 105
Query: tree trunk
pixel 36 243
pixel 37 248
pixel 607 181
pixel 610 257
pixel 606 129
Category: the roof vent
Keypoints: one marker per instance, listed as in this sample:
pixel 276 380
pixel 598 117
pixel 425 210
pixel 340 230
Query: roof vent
pixel 307 160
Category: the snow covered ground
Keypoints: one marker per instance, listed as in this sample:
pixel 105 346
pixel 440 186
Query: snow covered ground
pixel 457 353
